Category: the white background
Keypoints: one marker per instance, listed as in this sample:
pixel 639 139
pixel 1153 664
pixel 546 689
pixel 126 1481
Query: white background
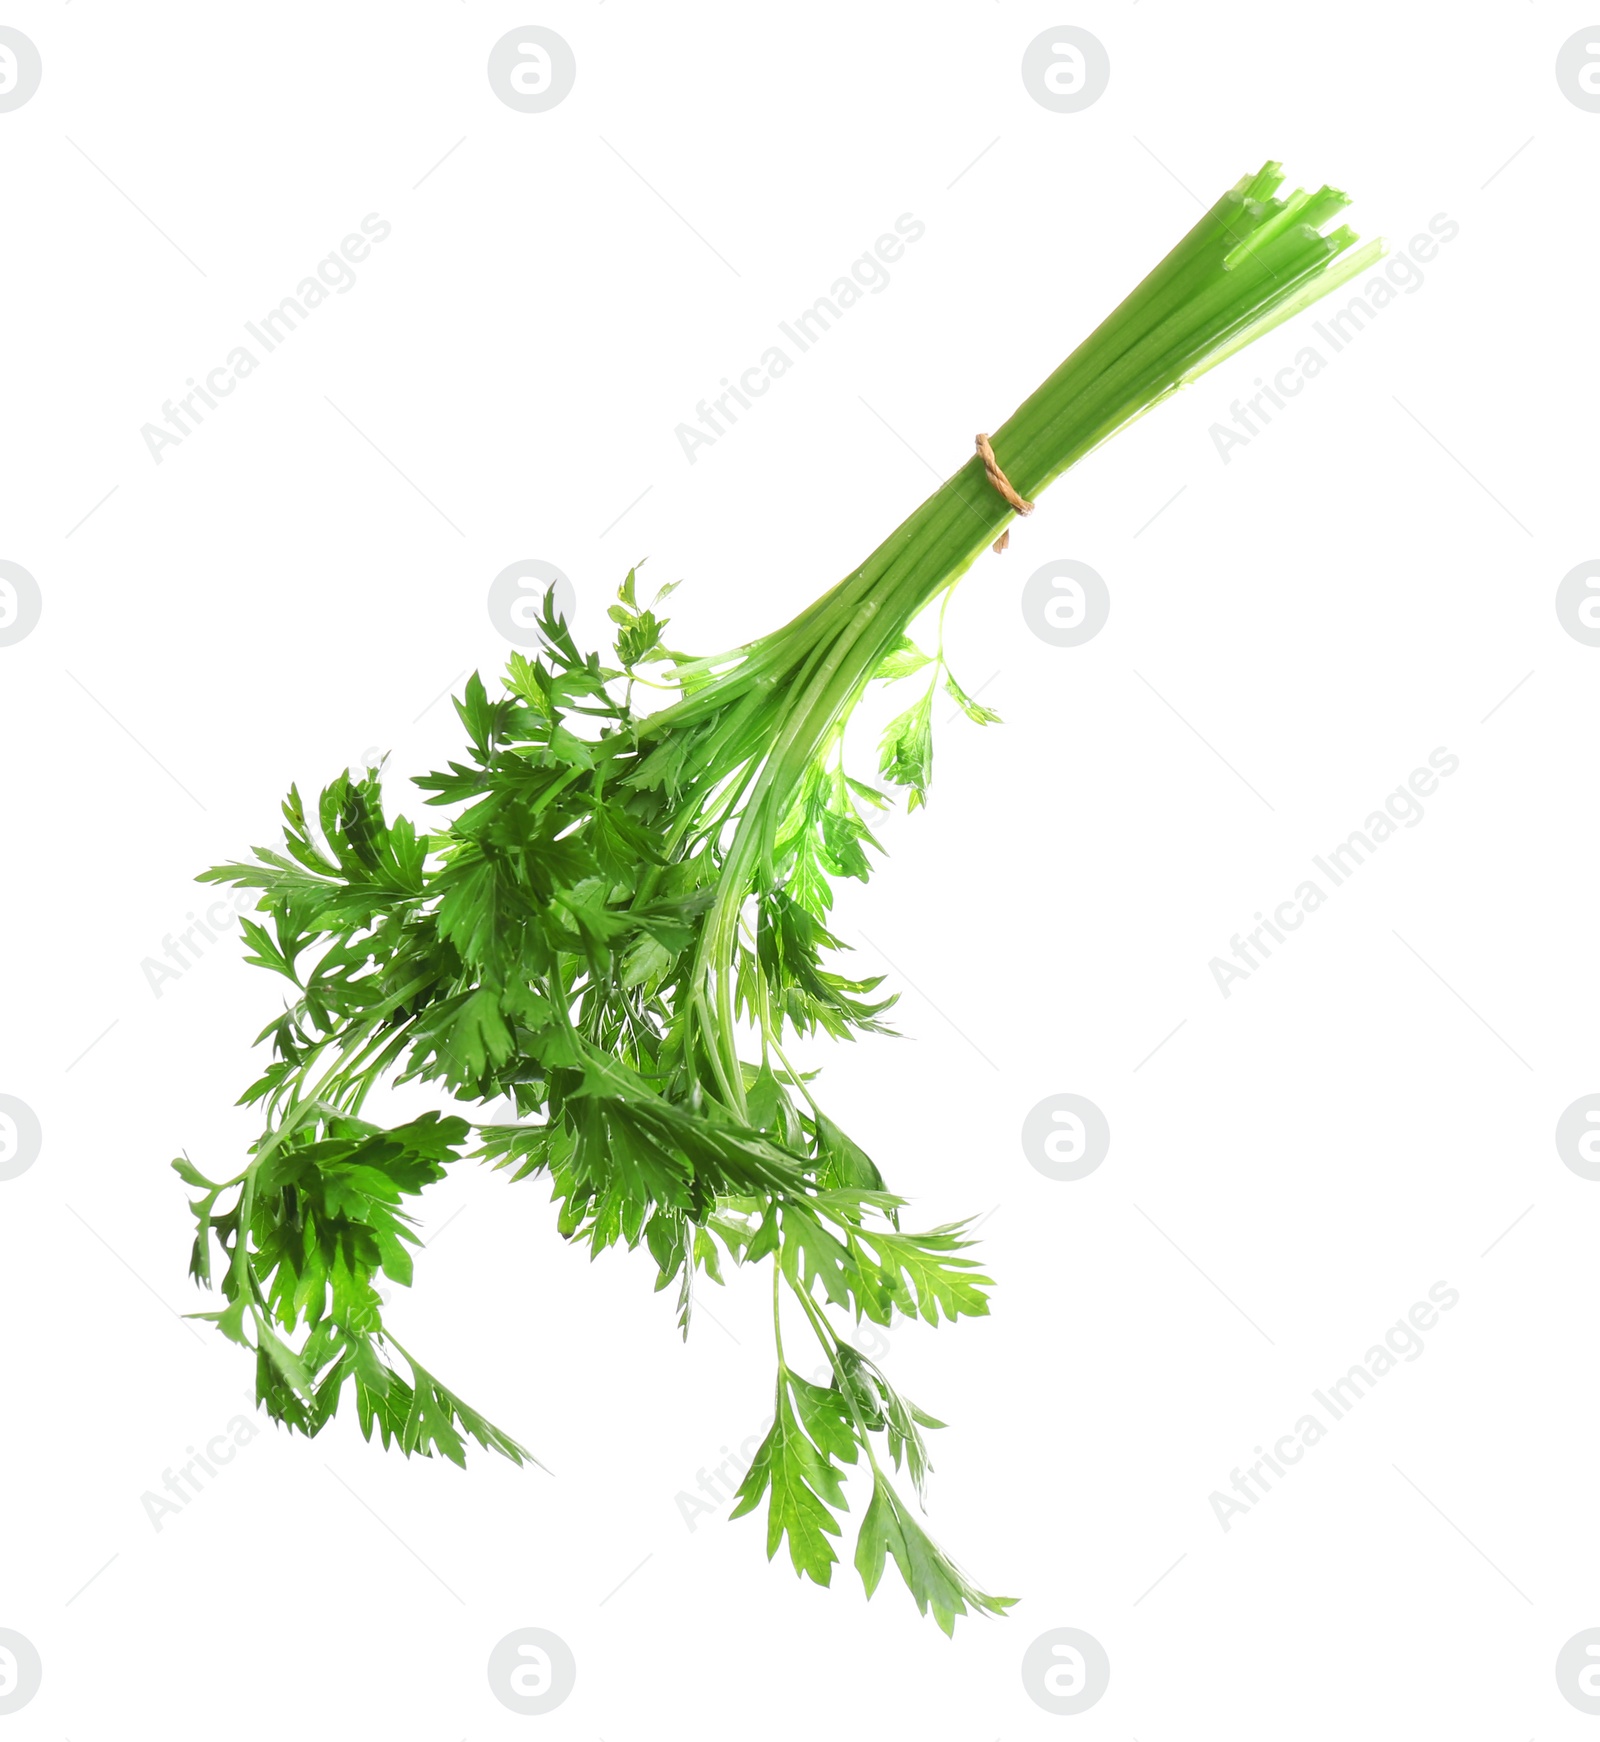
pixel 1293 1168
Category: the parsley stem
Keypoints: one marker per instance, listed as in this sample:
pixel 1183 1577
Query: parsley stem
pixel 829 1339
pixel 777 1319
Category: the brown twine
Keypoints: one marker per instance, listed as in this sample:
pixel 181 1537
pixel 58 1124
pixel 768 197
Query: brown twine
pixel 1002 483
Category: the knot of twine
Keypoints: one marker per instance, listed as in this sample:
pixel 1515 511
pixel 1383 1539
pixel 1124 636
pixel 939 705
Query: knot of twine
pixel 1003 484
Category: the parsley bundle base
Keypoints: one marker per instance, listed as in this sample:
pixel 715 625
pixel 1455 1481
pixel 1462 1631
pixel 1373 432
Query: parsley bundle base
pixel 619 926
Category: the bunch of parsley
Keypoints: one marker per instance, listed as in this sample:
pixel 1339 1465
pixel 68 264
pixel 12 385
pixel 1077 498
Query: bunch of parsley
pixel 620 925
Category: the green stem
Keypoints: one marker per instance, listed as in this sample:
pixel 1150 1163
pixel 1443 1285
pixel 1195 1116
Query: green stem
pixel 777 1324
pixel 1249 262
pixel 829 1339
